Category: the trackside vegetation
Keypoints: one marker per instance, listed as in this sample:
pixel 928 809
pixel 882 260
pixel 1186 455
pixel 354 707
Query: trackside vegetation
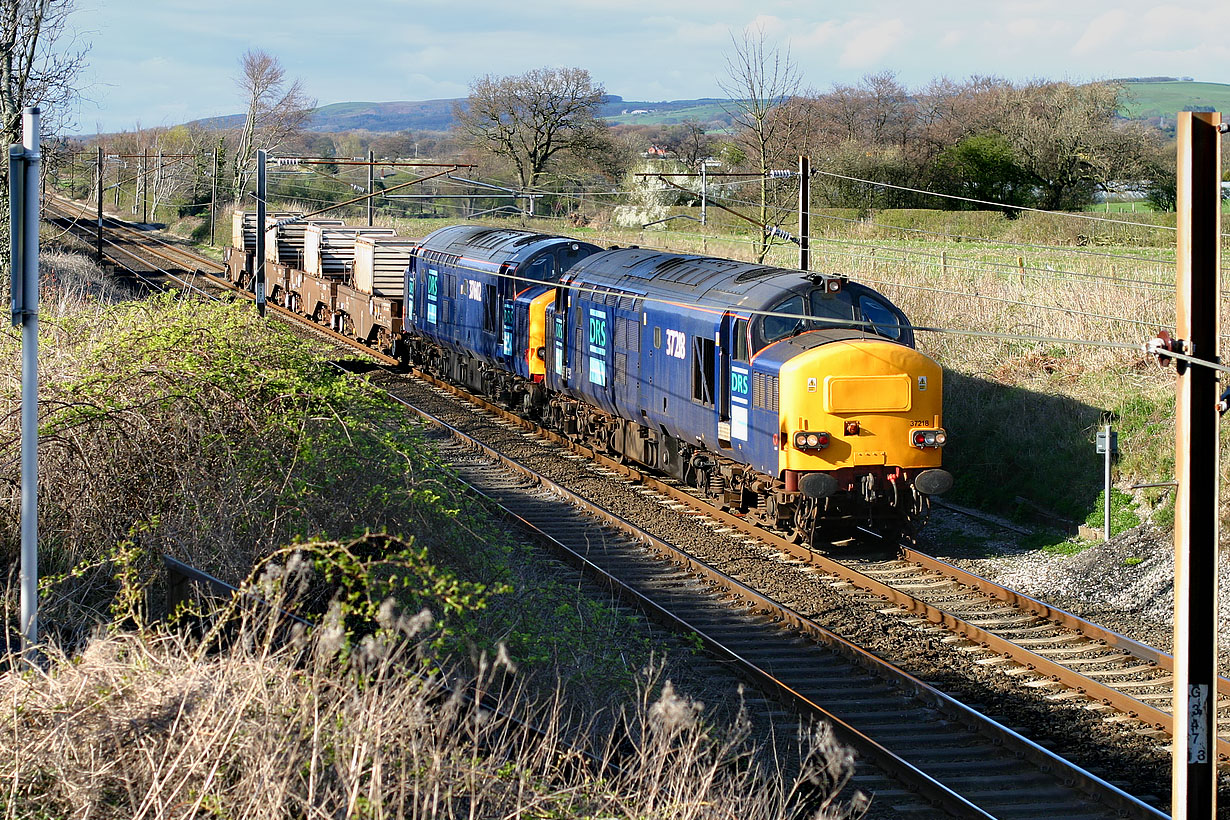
pixel 441 666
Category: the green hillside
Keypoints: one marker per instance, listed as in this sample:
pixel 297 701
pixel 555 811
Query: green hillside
pixel 708 111
pixel 1165 99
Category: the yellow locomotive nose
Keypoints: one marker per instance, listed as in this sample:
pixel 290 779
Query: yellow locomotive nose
pixel 866 399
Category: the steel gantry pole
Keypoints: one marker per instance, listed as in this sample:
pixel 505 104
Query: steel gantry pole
pixel 213 198
pixel 371 187
pixel 145 186
pixel 259 263
pixel 99 174
pixel 1194 764
pixel 804 212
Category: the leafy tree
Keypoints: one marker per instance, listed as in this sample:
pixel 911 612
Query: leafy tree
pixel 982 167
pixel 276 111
pixel 533 119
pixel 689 142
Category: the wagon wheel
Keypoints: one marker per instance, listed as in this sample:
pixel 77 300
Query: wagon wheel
pixel 323 314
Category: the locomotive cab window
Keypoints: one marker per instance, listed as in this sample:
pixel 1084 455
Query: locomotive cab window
pixel 541 269
pixel 777 327
pixel 739 351
pixel 883 320
pixel 830 306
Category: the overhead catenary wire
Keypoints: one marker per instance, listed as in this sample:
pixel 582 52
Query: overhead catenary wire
pixel 1001 205
pixel 1069 214
pixel 1142 348
pixel 997 269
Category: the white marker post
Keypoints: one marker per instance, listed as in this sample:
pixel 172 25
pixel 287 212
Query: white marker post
pixel 24 162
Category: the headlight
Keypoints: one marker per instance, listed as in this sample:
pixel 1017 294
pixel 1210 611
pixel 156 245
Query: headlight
pixel 804 440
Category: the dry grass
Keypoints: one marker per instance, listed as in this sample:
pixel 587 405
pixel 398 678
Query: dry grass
pixel 140 726
pixel 165 433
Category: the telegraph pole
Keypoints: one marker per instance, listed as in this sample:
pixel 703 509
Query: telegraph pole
pixel 1194 764
pixel 804 212
pixel 704 192
pixel 258 264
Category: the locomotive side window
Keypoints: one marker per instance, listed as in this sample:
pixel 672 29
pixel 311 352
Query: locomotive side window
pixel 703 358
pixel 883 321
pixel 489 308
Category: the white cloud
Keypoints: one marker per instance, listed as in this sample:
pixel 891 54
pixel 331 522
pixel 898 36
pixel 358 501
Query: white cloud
pixel 868 47
pixel 1102 33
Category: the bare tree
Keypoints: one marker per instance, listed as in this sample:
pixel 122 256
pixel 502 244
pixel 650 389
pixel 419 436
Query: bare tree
pixel 532 118
pixel 276 111
pixel 37 65
pixel 689 142
pixel 1065 137
pixel 760 80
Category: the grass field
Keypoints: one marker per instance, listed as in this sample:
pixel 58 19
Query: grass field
pixel 1166 99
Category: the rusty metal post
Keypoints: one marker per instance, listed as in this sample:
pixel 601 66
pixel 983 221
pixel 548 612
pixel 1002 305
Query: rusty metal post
pixel 1194 764
pixel 804 212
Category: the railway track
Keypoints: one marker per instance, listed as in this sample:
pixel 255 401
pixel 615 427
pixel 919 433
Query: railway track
pixel 910 728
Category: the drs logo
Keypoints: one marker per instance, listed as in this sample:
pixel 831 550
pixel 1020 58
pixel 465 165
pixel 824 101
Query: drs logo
pixel 597 331
pixel 738 383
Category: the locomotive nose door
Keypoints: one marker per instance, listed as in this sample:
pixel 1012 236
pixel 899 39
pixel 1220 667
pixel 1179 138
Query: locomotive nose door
pixel 735 377
pixel 506 289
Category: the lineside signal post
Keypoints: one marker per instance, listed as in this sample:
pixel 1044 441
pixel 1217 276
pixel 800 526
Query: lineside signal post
pixel 1198 262
pixel 1107 447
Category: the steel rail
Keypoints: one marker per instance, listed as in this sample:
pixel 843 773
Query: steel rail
pixel 1044 610
pixel 1090 687
pixel 193 259
pixel 935 792
pixel 158 247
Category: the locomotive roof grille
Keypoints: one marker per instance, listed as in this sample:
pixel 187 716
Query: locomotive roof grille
pixel 534 237
pixel 756 273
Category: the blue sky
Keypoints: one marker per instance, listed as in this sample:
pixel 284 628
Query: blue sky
pixel 161 62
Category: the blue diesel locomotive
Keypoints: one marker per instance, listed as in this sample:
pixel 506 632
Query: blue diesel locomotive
pixel 795 398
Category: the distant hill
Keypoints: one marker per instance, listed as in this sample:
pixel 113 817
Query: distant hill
pixel 1148 98
pixel 437 115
